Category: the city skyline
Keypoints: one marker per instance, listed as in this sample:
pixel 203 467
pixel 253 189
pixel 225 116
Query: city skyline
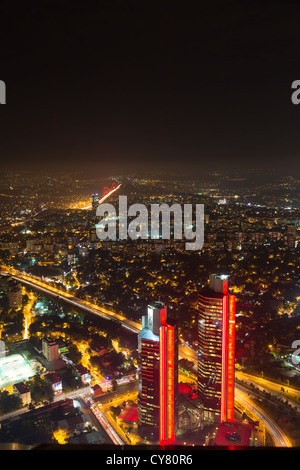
pixel 88 296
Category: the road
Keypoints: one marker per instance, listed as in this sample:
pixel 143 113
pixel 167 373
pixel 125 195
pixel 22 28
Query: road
pixel 27 313
pixel 101 418
pixel 23 221
pixel 280 439
pixel 61 396
pixel 104 197
pixel 290 394
pixel 79 395
pixel 33 282
pixel 135 327
pixel 241 395
pixel 188 353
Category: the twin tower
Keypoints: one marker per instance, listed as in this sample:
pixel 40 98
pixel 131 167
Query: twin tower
pixel 158 363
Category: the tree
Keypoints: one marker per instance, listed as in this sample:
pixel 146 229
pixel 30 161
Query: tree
pixel 114 385
pixel 74 353
pixel 41 390
pixel 9 402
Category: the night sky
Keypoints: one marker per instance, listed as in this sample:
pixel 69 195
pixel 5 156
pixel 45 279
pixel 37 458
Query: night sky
pixel 110 86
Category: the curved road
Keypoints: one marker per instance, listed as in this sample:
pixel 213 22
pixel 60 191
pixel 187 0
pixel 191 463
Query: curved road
pixel 292 395
pixel 31 281
pixel 280 439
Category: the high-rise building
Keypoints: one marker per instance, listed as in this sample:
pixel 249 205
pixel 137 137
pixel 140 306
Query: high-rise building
pixel 158 376
pixel 95 200
pixel 50 349
pixel 30 243
pixel 14 294
pixel 216 350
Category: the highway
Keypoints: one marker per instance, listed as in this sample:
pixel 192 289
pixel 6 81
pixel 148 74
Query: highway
pixel 80 396
pixel 241 395
pixel 280 439
pixel 31 281
pixel 134 327
pixel 101 418
pixel 290 394
pixel 104 197
pixel 184 351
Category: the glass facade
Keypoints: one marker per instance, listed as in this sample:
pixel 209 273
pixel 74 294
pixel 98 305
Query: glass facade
pixel 216 353
pixel 148 397
pixel 158 376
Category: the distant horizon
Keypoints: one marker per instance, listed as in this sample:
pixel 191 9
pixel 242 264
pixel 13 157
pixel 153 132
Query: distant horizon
pixel 151 172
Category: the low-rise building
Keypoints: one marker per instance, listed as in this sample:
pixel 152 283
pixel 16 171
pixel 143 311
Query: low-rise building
pixel 83 373
pixel 96 391
pixel 234 433
pixel 55 381
pixel 24 392
pixel 129 414
pixel 15 294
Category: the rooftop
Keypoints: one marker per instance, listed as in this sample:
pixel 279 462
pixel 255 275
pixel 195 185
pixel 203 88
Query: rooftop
pixel 234 433
pixel 146 333
pixel 129 413
pixel 156 304
pixel 14 369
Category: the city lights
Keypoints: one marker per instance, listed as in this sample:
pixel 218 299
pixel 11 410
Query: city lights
pixel 149 228
pixel 13 369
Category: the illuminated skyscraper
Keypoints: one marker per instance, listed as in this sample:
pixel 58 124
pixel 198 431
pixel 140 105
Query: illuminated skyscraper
pixel 95 201
pixel 158 376
pixel 216 350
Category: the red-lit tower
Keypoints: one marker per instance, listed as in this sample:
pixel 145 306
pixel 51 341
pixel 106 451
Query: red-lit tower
pixel 158 376
pixel 216 350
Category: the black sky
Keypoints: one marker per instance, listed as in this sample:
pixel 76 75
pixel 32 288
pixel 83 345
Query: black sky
pixel 113 86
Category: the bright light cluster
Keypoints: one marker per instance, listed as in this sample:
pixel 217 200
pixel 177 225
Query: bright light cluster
pixel 14 369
